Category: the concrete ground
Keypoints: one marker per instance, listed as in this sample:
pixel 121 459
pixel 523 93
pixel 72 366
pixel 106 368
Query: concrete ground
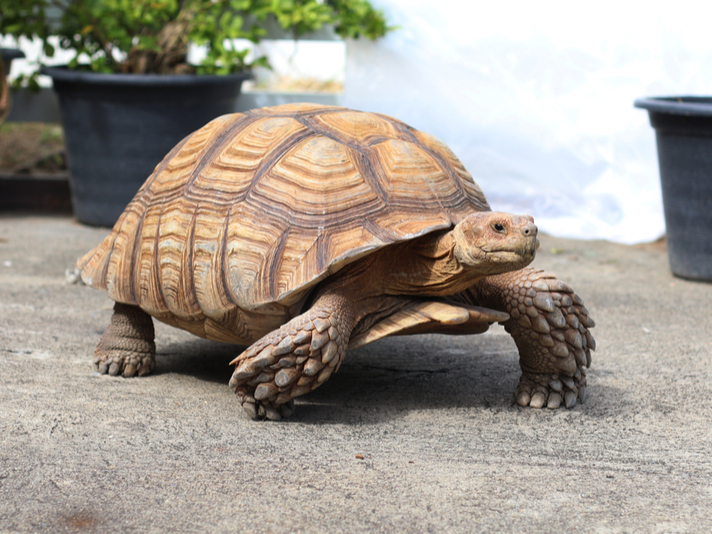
pixel 444 446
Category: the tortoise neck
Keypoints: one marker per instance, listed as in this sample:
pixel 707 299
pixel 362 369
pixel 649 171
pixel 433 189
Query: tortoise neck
pixel 360 287
pixel 424 267
pixel 427 267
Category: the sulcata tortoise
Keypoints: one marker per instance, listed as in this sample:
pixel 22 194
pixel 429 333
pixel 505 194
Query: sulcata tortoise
pixel 303 231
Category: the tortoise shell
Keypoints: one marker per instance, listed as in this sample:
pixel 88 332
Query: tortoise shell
pixel 243 218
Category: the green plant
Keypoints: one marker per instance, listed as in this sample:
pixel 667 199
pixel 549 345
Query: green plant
pixel 152 36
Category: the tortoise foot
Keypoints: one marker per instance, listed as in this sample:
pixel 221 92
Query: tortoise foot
pixel 551 327
pixel 291 361
pixel 551 391
pixel 263 409
pixel 127 348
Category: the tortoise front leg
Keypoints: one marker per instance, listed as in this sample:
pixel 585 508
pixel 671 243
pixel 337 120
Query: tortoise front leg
pixel 294 359
pixel 127 346
pixel 550 326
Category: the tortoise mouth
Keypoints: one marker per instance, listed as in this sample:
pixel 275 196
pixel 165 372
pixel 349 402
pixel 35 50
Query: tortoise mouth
pixel 511 256
pixel 502 257
pixel 526 248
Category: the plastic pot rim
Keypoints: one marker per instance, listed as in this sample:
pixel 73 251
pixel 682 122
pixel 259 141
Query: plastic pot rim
pixel 65 74
pixel 700 106
pixel 8 54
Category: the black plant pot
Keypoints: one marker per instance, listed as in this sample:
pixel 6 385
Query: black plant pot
pixel 683 128
pixel 7 54
pixel 118 127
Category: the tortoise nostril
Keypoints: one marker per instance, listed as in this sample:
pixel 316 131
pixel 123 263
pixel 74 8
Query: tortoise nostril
pixel 529 230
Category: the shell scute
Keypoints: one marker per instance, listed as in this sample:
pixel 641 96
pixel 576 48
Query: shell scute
pixel 355 128
pixel 119 276
pixel 147 285
pixel 175 254
pixel 211 290
pixel 471 189
pixel 229 171
pixel 414 177
pixel 317 180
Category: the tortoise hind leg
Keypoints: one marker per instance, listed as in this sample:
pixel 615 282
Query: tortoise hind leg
pixel 550 326
pixel 293 360
pixel 127 346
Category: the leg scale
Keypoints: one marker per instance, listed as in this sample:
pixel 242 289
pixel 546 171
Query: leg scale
pixel 292 360
pixel 550 326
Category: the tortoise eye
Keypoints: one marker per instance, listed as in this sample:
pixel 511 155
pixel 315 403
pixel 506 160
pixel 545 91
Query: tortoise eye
pixel 498 227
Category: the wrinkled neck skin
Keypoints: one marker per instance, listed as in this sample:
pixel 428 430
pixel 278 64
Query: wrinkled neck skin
pixel 425 267
pixel 380 284
pixel 443 263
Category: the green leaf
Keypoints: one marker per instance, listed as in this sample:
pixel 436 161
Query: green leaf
pixel 102 30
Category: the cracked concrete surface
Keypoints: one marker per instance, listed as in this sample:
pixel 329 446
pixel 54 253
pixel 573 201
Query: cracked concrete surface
pixel 444 446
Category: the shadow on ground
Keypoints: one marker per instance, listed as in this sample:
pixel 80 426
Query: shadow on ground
pixel 381 381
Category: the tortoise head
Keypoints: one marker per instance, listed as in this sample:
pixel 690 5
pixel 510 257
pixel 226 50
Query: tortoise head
pixel 494 242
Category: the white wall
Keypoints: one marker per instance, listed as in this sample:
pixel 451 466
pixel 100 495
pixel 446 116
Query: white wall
pixel 33 52
pixel 536 98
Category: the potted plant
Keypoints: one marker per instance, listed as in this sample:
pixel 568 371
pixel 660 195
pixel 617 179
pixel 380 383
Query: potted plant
pixel 130 94
pixel 683 129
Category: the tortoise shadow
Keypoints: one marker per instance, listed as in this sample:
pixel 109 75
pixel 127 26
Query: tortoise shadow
pixel 196 357
pixel 395 377
pixel 382 381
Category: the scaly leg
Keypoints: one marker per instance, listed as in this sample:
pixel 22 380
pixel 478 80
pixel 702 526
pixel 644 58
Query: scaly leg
pixel 550 326
pixel 127 345
pixel 293 360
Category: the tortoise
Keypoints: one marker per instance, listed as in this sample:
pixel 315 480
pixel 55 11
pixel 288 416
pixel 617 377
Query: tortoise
pixel 304 230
